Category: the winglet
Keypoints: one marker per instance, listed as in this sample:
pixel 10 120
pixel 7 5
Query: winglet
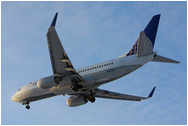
pixel 54 20
pixel 151 94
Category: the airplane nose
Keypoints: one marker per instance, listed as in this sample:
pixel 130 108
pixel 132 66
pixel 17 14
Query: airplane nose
pixel 14 98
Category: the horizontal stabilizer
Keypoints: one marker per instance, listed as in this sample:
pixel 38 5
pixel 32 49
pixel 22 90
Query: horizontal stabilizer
pixel 163 59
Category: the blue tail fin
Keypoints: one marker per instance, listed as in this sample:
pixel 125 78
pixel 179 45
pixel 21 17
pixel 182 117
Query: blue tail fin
pixel 150 31
pixel 151 28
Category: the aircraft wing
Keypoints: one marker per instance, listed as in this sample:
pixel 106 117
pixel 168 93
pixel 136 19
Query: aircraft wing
pixel 113 95
pixel 61 63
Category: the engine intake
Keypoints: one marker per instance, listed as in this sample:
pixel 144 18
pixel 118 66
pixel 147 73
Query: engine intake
pixel 46 82
pixel 77 100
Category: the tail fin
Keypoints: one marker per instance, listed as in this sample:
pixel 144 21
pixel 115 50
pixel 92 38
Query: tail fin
pixel 146 39
pixel 145 43
pixel 151 28
pixel 145 46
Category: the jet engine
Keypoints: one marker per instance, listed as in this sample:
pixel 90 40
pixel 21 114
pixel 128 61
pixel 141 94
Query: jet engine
pixel 77 100
pixel 46 82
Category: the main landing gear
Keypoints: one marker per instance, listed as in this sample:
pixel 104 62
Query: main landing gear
pixel 91 97
pixel 75 86
pixel 57 79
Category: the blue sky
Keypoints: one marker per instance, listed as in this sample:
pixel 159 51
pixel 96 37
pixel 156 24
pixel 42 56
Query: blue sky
pixel 93 32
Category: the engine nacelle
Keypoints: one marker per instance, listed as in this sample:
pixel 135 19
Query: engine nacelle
pixel 77 100
pixel 46 82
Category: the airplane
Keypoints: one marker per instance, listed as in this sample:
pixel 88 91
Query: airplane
pixel 82 84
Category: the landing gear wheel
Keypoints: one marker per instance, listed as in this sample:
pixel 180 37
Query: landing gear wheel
pixel 91 99
pixel 27 107
pixel 57 79
pixel 75 86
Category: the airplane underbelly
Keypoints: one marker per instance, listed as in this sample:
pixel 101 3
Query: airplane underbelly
pixel 39 97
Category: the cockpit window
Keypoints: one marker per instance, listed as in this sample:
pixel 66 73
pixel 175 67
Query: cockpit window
pixel 19 89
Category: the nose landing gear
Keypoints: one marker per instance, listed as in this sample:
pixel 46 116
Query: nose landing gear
pixel 27 105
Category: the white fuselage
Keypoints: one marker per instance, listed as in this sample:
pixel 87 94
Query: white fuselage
pixel 94 76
